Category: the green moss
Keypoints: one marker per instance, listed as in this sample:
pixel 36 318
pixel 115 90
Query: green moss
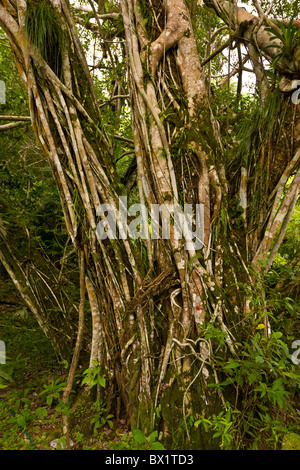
pixel 81 415
pixel 177 428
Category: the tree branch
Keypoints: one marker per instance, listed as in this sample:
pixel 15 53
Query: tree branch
pixel 15 118
pixel 11 125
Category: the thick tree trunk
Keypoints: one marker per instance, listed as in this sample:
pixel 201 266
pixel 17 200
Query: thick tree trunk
pixel 149 314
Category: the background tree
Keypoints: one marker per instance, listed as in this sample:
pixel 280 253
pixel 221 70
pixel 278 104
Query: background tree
pixel 171 324
pixel 34 244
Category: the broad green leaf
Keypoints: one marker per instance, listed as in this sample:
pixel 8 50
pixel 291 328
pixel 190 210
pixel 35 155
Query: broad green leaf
pixel 232 365
pixel 3 386
pixel 85 380
pixel 153 436
pixel 21 421
pixel 5 376
pixel 102 381
pixel 157 446
pixel 259 359
pixel 139 436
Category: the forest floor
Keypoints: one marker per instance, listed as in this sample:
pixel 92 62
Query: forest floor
pixel 30 408
pixel 29 419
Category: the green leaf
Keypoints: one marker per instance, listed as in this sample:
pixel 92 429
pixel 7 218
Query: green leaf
pixel 276 33
pixel 3 386
pixel 41 412
pixel 102 381
pixel 277 334
pixel 276 59
pixel 158 410
pixel 291 375
pixel 259 359
pixel 5 377
pixel 153 436
pixel 271 46
pixel 157 446
pixel 139 436
pixel 85 380
pixel 194 258
pixel 65 364
pixel 232 365
pixel 254 376
pixel 49 400
pixel 21 421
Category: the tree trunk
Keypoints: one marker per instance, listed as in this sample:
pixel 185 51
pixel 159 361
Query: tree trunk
pixel 150 312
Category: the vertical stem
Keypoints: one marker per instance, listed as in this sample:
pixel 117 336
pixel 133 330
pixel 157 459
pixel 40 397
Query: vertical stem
pixel 95 320
pixel 75 358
